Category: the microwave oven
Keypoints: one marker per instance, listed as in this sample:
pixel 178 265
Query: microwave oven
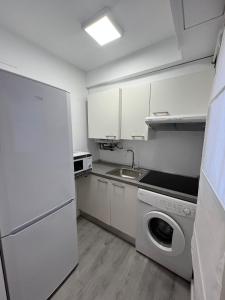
pixel 82 162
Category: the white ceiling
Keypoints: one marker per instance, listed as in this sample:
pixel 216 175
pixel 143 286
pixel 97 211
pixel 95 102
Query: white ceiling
pixel 197 23
pixel 55 25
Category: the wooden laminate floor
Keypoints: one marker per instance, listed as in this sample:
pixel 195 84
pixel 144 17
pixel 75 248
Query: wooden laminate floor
pixel 111 269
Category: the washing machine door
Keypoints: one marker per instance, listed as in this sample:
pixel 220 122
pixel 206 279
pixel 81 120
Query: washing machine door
pixel 164 233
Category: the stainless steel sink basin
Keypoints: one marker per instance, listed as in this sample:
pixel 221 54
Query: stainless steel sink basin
pixel 127 173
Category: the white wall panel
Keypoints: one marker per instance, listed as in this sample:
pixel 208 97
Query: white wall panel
pixel 214 158
pixel 219 82
pixel 199 11
pixel 208 244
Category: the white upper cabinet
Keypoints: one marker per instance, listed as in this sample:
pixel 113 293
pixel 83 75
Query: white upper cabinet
pixel 104 114
pixel 120 113
pixel 135 108
pixel 184 95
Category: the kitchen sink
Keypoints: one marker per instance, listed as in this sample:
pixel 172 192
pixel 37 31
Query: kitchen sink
pixel 127 173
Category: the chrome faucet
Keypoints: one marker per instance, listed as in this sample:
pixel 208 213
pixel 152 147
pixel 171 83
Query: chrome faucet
pixel 132 151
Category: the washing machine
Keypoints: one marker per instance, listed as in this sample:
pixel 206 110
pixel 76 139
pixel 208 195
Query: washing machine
pixel 164 231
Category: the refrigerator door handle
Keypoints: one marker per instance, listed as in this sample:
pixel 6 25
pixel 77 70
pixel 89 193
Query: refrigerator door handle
pixel 38 219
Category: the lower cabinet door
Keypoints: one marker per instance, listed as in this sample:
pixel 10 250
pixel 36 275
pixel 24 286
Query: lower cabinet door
pixel 93 197
pixel 123 200
pixel 84 194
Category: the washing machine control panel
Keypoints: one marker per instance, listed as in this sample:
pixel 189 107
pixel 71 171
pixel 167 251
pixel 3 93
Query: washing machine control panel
pixel 181 209
pixel 167 203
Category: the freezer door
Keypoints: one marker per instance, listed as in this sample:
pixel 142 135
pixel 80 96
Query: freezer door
pixel 36 165
pixel 40 257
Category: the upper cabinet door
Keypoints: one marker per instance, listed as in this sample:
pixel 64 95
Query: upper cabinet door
pixel 135 108
pixel 184 95
pixel 104 114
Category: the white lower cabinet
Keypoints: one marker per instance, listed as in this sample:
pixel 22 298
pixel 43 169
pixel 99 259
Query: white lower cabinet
pixel 93 197
pixel 123 199
pixel 109 201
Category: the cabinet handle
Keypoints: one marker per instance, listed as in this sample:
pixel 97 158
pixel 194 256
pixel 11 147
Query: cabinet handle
pixel 119 186
pixel 102 181
pixel 161 113
pixel 111 136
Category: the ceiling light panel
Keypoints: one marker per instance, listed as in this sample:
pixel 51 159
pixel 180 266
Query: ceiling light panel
pixel 103 31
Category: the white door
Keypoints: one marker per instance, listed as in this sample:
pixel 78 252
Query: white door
pixel 40 257
pixel 208 243
pixel 2 285
pixel 104 114
pixel 135 108
pixel 36 167
pixel 184 95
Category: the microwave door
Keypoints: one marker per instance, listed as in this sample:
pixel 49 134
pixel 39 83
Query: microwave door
pixel 78 165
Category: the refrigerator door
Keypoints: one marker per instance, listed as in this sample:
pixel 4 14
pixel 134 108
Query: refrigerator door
pixel 39 258
pixel 36 165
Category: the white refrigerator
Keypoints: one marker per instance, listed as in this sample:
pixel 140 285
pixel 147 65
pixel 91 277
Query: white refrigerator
pixel 37 191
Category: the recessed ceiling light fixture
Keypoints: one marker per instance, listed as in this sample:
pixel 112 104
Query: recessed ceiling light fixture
pixel 103 30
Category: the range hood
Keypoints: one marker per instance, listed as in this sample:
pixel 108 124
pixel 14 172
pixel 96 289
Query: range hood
pixel 179 122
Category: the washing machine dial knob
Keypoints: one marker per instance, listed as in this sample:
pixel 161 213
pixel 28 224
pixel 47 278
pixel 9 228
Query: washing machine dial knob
pixel 187 211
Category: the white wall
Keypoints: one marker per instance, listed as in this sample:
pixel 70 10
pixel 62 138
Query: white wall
pixel 173 151
pixel 21 57
pixel 150 58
